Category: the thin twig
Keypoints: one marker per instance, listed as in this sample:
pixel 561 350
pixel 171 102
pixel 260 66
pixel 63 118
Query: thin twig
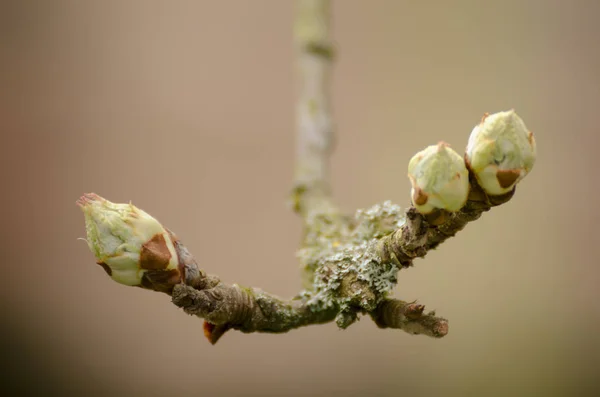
pixel 314 125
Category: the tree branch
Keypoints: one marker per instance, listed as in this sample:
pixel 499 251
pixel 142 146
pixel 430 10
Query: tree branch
pixel 350 264
pixel 248 310
pixel 421 233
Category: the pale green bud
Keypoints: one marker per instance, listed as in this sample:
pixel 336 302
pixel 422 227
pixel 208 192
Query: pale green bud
pixel 501 152
pixel 129 243
pixel 439 179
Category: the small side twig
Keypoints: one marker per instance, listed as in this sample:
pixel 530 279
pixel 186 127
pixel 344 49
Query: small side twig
pixel 409 317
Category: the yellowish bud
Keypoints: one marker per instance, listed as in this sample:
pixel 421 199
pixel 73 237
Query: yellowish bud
pixel 130 244
pixel 501 151
pixel 439 179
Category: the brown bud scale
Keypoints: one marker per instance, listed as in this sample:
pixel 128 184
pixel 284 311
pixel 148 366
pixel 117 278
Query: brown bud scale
pixel 155 254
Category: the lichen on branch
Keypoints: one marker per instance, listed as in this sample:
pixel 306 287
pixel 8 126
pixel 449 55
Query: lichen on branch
pixel 350 264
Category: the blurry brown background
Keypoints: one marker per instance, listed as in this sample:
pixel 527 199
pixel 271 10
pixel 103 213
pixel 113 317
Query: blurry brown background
pixel 186 108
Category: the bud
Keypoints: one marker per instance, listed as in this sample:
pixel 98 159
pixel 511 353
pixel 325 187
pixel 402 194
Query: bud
pixel 131 246
pixel 501 152
pixel 439 179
